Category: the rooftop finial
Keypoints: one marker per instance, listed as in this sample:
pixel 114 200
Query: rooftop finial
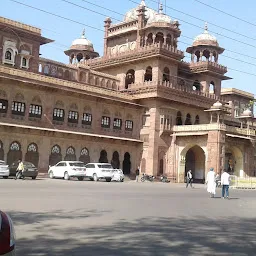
pixel 83 33
pixel 143 3
pixel 206 27
pixel 161 8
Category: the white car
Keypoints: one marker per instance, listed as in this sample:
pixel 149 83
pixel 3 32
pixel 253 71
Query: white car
pixel 97 171
pixel 4 170
pixel 67 169
pixel 7 235
pixel 118 175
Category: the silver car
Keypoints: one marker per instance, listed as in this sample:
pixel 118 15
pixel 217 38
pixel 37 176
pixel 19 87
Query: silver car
pixel 4 170
pixel 7 235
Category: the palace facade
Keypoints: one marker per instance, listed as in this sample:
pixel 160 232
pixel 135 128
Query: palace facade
pixel 138 104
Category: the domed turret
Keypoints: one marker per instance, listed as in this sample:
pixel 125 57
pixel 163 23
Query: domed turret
pixel 205 38
pixel 205 47
pixel 81 49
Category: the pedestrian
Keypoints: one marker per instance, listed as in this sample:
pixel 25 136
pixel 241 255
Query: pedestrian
pixel 19 170
pixel 189 178
pixel 137 173
pixel 225 179
pixel 211 182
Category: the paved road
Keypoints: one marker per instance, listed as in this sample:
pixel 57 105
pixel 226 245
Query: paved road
pixel 57 217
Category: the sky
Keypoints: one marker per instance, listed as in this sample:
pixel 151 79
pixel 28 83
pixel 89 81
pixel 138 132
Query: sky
pixel 235 32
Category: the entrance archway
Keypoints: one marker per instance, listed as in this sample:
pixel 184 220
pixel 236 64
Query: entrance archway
pixel 84 156
pixel 103 156
pixel 127 163
pixel 55 155
pixel 14 153
pixel 70 154
pixel 195 161
pixel 115 162
pixel 32 154
pixel 234 160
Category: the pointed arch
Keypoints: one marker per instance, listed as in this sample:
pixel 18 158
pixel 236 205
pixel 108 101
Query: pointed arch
pixel 148 74
pixel 166 74
pixel 197 120
pixel 127 163
pixel 188 119
pixel 179 118
pixel 55 155
pixel 103 156
pixel 130 78
pixel 14 153
pixel 1 150
pixel 84 156
pixel 70 154
pixel 115 162
pixel 32 154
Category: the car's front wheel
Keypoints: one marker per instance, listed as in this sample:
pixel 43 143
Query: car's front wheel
pixel 108 179
pixel 66 176
pixel 5 177
pixel 34 177
pixel 51 175
pixel 80 178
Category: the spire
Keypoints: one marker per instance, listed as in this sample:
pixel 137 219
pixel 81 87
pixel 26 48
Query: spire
pixel 161 8
pixel 143 3
pixel 206 28
pixel 83 34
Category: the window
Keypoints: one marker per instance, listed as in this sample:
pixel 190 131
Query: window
pixel 24 63
pixel 105 122
pixel 3 106
pixel 8 55
pixel 87 119
pixel 61 164
pixel 35 110
pixel 58 114
pixel 18 108
pixel 117 124
pixel 73 116
pixel 128 125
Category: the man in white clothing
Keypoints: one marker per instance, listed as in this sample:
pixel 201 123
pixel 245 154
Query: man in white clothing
pixel 211 182
pixel 225 178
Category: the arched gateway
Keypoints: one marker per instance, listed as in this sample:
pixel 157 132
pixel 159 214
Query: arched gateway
pixel 194 160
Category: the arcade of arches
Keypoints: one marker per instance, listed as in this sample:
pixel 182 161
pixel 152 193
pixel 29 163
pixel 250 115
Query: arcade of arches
pixel 32 155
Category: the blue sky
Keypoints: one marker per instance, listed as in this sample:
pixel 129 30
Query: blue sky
pixel 64 32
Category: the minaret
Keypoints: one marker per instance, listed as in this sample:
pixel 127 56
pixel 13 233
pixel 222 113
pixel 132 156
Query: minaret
pixel 141 21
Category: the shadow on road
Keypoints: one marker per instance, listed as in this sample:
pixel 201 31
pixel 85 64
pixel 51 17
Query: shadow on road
pixel 148 236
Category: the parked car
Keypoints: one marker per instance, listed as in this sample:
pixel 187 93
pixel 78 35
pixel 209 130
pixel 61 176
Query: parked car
pixel 7 235
pixel 4 170
pixel 29 169
pixel 67 169
pixel 118 175
pixel 97 171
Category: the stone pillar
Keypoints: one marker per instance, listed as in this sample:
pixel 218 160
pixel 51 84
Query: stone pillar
pixel 215 143
pixel 44 150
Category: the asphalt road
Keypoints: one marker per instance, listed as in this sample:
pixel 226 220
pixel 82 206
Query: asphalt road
pixel 57 217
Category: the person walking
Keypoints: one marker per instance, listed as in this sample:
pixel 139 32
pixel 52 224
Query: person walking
pixel 137 173
pixel 189 178
pixel 225 179
pixel 20 170
pixel 211 182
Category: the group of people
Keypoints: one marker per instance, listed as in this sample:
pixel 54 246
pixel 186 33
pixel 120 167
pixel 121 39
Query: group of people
pixel 212 182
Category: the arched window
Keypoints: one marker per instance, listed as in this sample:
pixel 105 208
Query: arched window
pixel 24 62
pixel 130 78
pixel 206 55
pixel 179 118
pixel 212 88
pixel 148 74
pixel 15 146
pixel 149 39
pixel 159 38
pixel 188 119
pixel 197 120
pixel 8 55
pixel 169 40
pixel 166 75
pixel 32 147
pixel 79 57
pixel 56 149
pixel 46 70
pixel 40 68
pixel 196 86
pixel 197 54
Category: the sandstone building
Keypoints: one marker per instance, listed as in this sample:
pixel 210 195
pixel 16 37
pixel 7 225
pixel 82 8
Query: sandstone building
pixel 138 104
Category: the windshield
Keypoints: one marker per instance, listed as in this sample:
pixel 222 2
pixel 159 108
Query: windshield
pixel 27 164
pixel 105 166
pixel 77 164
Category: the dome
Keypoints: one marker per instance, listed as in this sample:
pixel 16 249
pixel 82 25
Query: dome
pixel 82 41
pixel 133 15
pixel 205 38
pixel 160 17
pixel 247 112
pixel 217 105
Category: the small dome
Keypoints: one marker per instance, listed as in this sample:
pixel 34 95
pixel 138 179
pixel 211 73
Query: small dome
pixel 247 112
pixel 205 38
pixel 83 41
pixel 217 105
pixel 160 17
pixel 133 15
